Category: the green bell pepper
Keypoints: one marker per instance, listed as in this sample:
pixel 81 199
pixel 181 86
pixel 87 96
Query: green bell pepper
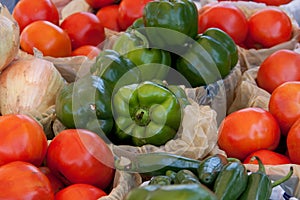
pixel 153 63
pixel 207 61
pixel 171 192
pixel 259 185
pixel 86 104
pixel 146 113
pixel 180 17
pixel 115 69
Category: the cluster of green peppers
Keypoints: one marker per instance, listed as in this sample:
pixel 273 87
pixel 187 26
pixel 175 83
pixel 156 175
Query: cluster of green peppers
pixel 215 177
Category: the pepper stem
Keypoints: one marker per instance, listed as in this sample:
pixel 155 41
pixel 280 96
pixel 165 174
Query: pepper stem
pixel 142 117
pixel 283 179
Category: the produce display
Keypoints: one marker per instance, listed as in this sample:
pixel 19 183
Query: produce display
pixel 152 99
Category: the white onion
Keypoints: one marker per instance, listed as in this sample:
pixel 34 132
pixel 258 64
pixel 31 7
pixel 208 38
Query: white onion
pixel 9 37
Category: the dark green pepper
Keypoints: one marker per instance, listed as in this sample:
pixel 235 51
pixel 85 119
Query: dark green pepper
pixel 231 181
pixel 86 104
pixel 210 168
pixel 115 69
pixel 185 176
pixel 158 163
pixel 171 192
pixel 146 113
pixel 226 41
pixel 160 180
pixel 207 60
pixel 153 63
pixel 259 185
pixel 180 17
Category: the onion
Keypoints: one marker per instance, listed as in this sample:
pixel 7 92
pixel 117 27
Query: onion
pixel 9 37
pixel 29 86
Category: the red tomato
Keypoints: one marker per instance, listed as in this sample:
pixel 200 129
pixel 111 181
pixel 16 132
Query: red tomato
pixel 86 50
pixel 273 2
pixel 22 138
pixel 52 41
pixel 108 17
pixel 129 11
pixel 22 180
pixel 281 66
pixel 96 4
pixel 217 15
pixel 79 192
pixel 269 27
pixel 284 104
pixel 84 28
pixel 268 157
pixel 248 130
pixel 56 184
pixel 293 140
pixel 81 156
pixel 28 11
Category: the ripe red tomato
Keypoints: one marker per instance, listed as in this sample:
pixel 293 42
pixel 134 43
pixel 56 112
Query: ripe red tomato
pixel 84 28
pixel 248 130
pixel 268 157
pixel 284 104
pixel 96 4
pixel 56 184
pixel 22 138
pixel 81 156
pixel 293 140
pixel 129 11
pixel 269 27
pixel 28 11
pixel 273 2
pixel 108 17
pixel 218 15
pixel 79 192
pixel 52 41
pixel 22 180
pixel 281 66
pixel 86 50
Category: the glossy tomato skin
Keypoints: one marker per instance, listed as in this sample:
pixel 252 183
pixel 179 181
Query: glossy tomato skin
pixel 273 2
pixel 129 11
pixel 22 138
pixel 83 28
pixel 217 15
pixel 80 191
pixel 96 4
pixel 247 130
pixel 28 11
pixel 23 181
pixel 56 184
pixel 268 157
pixel 284 104
pixel 81 156
pixel 293 140
pixel 269 27
pixel 108 17
pixel 280 67
pixel 86 50
pixel 52 41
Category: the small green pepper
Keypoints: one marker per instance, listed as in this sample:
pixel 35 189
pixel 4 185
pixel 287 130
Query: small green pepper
pixel 160 180
pixel 231 181
pixel 171 192
pixel 185 176
pixel 210 168
pixel 259 185
pixel 145 113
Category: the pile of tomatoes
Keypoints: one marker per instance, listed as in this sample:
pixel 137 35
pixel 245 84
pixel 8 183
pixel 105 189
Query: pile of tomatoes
pixel 81 33
pixel 76 164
